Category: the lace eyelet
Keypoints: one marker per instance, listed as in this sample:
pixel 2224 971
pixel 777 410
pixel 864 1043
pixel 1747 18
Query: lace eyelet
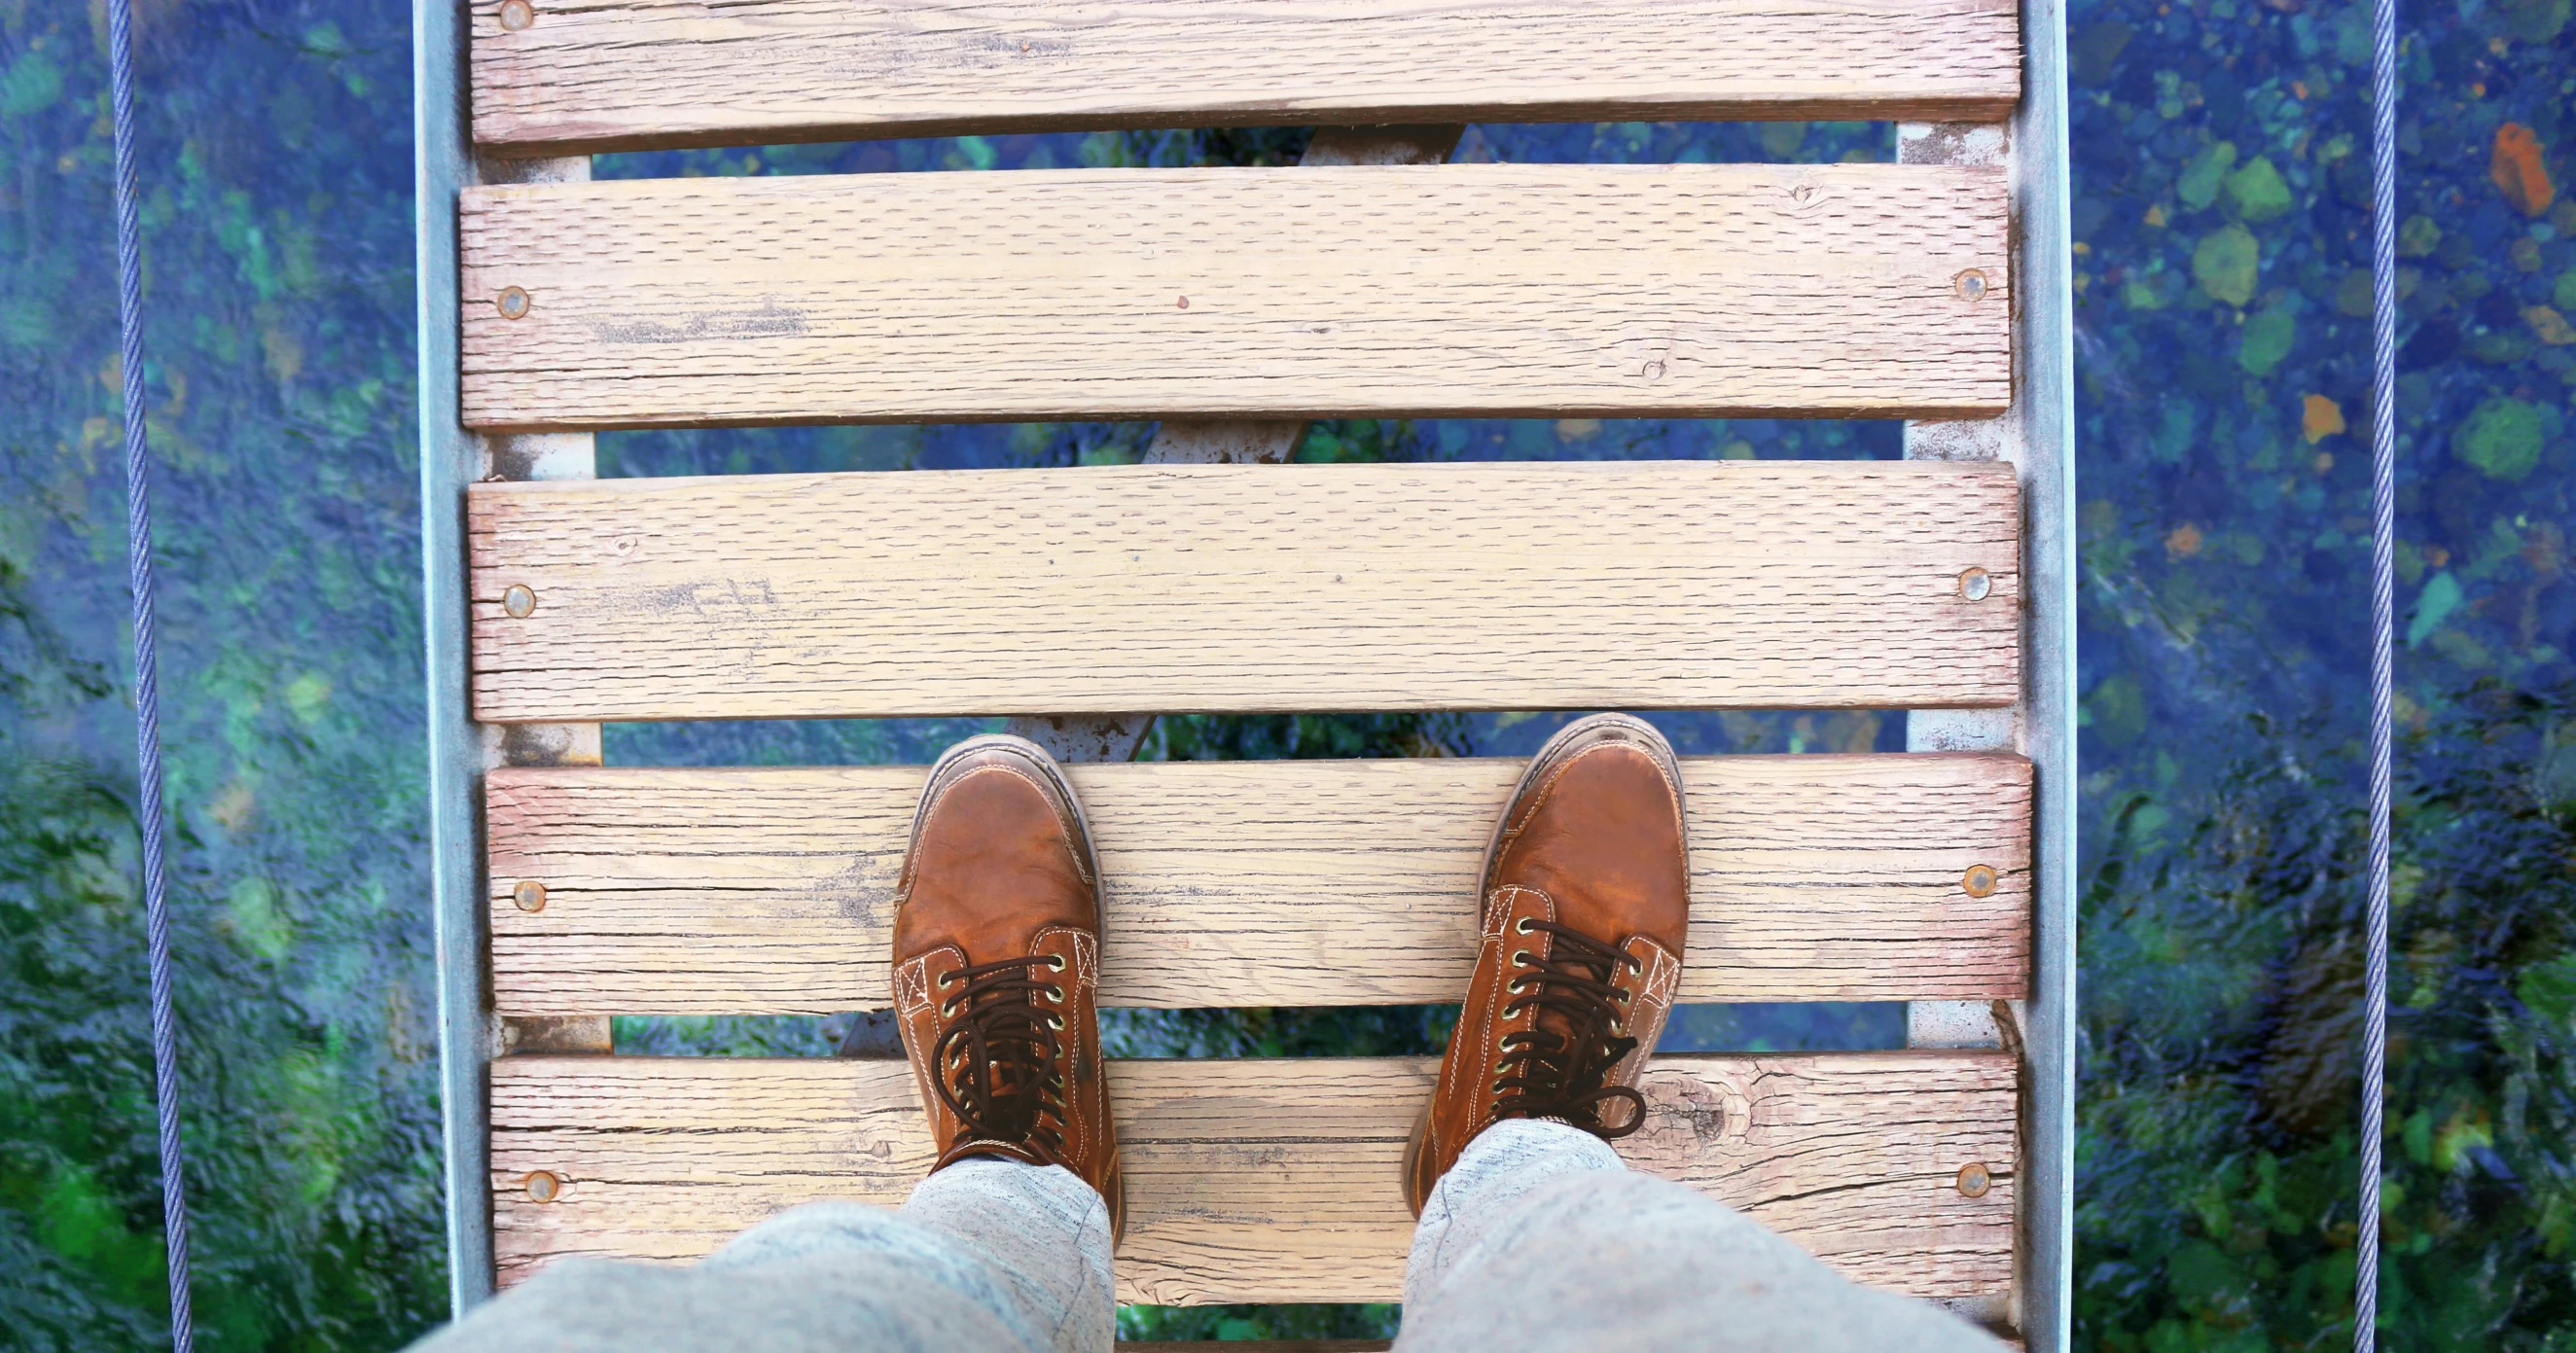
pixel 1521 926
pixel 1055 994
pixel 1055 963
pixel 1056 1022
pixel 1521 958
pixel 947 1008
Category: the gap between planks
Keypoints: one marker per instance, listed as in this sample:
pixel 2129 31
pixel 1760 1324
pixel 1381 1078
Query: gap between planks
pixel 1266 1181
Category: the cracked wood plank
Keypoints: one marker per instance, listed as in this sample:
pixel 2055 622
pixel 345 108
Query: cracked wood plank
pixel 1189 588
pixel 1294 883
pixel 632 74
pixel 1269 1181
pixel 1488 290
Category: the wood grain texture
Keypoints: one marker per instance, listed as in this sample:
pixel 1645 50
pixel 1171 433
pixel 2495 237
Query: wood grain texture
pixel 1629 585
pixel 1259 1180
pixel 1488 290
pixel 626 74
pixel 1253 883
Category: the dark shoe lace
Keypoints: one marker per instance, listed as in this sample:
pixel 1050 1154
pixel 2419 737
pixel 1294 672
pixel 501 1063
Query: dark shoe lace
pixel 1557 1070
pixel 1000 1066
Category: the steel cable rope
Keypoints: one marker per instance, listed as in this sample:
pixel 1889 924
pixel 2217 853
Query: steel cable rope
pixel 147 682
pixel 2383 652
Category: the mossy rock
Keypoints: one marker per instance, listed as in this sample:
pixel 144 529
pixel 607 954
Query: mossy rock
pixel 2258 192
pixel 2116 709
pixel 2533 20
pixel 2267 340
pixel 2226 263
pixel 2502 439
pixel 2502 347
pixel 2200 181
pixel 2417 236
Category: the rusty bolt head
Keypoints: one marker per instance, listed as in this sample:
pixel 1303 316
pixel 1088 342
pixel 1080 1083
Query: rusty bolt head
pixel 518 601
pixel 1975 584
pixel 1971 285
pixel 544 1186
pixel 513 303
pixel 517 14
pixel 1979 881
pixel 530 895
pixel 1974 1180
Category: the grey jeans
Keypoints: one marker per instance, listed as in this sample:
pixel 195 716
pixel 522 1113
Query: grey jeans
pixel 1539 1238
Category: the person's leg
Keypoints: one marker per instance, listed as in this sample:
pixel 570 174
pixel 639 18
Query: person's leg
pixel 1539 1238
pixel 1533 1235
pixel 1505 1161
pixel 1006 1246
pixel 1028 1243
pixel 986 1255
pixel 1044 1230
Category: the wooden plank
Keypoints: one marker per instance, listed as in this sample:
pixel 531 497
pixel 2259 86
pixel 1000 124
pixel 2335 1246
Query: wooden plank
pixel 1637 585
pixel 1259 1180
pixel 1589 290
pixel 1254 883
pixel 627 74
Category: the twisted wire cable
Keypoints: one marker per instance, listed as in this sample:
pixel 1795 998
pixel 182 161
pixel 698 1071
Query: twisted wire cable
pixel 147 680
pixel 2383 653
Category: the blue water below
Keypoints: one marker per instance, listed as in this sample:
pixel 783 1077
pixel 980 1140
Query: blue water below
pixel 2220 182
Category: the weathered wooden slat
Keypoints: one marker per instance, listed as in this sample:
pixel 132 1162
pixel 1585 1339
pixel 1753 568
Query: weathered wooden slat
pixel 590 75
pixel 1816 584
pixel 1296 883
pixel 1259 1180
pixel 1368 290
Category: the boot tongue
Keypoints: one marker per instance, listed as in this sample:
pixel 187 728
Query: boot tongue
pixel 1579 1031
pixel 1001 1051
pixel 1557 1024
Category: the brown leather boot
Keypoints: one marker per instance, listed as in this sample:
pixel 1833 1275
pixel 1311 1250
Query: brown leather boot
pixel 1587 897
pixel 997 961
